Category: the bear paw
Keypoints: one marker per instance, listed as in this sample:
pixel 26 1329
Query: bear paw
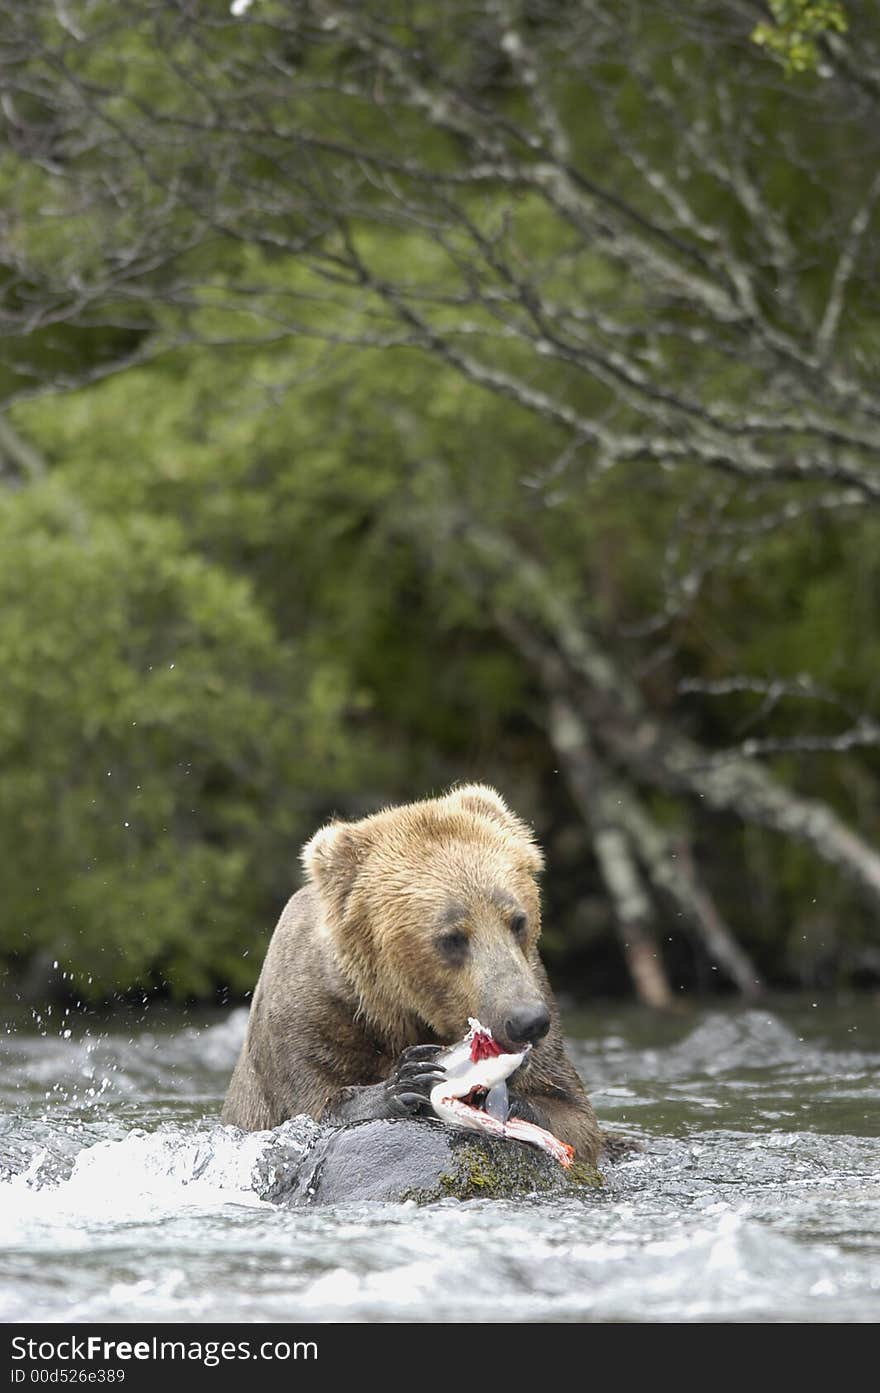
pixel 416 1073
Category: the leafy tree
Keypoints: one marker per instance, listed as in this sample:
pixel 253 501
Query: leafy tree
pixel 795 29
pixel 149 796
pixel 518 360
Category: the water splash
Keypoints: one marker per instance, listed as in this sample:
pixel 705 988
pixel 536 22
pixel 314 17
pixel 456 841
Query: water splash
pixel 756 1195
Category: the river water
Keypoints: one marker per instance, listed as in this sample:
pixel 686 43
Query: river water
pixel 756 1195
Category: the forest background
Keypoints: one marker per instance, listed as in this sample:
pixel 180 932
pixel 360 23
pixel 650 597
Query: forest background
pixel 398 395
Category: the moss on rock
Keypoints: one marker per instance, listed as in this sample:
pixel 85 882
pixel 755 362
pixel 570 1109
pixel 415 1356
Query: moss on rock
pixel 484 1168
pixel 424 1161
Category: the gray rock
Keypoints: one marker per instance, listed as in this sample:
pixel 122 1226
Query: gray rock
pixel 424 1161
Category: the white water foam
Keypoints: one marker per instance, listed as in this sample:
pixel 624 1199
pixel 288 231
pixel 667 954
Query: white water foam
pixel 147 1177
pixel 748 1209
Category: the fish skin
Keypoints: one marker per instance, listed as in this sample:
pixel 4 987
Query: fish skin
pixel 530 1132
pixel 491 1073
pixel 460 1115
pixel 497 1102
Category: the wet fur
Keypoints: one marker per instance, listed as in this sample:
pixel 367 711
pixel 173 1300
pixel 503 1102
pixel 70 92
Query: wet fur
pixel 353 974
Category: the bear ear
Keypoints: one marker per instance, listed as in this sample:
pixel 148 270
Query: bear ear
pixel 332 858
pixel 487 802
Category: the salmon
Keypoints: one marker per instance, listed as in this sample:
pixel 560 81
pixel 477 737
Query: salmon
pixel 474 1092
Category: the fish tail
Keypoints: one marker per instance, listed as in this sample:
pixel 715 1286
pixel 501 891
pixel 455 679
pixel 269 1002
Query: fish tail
pixel 454 1111
pixel 539 1136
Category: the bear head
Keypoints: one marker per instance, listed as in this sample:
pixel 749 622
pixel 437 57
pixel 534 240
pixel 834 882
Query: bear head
pixel 432 914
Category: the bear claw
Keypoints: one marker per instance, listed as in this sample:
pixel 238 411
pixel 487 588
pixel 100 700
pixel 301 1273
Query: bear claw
pixel 416 1074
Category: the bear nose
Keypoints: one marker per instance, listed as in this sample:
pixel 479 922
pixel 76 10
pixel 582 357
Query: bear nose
pixel 528 1025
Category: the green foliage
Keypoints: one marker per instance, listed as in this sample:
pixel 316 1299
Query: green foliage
pixel 223 616
pixel 145 798
pixel 792 36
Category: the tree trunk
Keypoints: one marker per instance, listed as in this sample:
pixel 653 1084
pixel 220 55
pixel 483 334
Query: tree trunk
pixel 633 909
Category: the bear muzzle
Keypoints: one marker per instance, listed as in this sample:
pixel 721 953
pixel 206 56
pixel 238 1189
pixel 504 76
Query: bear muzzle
pixel 527 1025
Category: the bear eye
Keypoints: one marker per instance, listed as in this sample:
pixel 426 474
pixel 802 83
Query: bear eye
pixel 518 924
pixel 453 945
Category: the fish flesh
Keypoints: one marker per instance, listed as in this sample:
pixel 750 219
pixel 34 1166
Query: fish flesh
pixel 474 1092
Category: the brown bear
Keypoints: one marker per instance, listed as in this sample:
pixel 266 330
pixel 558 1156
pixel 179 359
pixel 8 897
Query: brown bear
pixel 412 920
